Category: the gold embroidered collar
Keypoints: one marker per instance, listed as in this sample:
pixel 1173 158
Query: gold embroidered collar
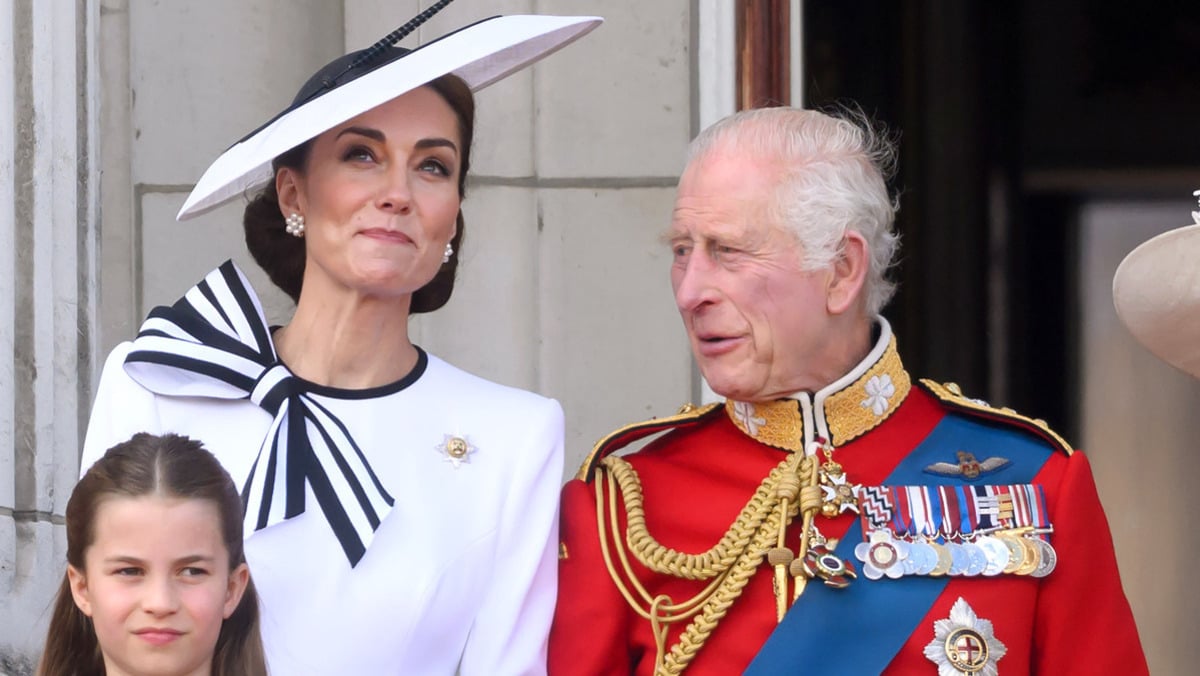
pixel 844 410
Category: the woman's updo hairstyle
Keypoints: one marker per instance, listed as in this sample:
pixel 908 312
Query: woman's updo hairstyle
pixel 282 255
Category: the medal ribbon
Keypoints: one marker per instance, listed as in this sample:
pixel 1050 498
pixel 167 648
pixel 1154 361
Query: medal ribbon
pixel 1022 514
pixel 964 505
pixel 1004 497
pixel 934 520
pixel 901 517
pixel 877 507
pixel 950 513
pixel 1037 498
pixel 919 500
pixel 987 507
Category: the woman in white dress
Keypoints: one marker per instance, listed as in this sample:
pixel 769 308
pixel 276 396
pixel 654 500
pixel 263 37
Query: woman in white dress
pixel 401 514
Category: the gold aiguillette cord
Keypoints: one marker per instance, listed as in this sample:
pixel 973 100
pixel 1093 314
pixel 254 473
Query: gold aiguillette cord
pixel 728 565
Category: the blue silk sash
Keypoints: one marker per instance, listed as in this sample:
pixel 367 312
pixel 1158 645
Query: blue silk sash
pixel 859 629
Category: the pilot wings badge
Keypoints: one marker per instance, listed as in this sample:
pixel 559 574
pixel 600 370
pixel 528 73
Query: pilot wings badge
pixel 968 467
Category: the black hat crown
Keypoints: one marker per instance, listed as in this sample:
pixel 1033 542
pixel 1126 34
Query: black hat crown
pixel 356 64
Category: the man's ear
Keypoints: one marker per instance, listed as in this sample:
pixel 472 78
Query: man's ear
pixel 849 274
pixel 77 581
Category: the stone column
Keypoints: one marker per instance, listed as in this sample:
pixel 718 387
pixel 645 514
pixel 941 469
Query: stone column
pixel 48 212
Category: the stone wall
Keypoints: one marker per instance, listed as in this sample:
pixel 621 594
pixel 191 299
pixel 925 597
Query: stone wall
pixel 48 217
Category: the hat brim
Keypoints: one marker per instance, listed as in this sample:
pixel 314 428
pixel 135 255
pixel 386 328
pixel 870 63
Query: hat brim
pixel 1156 292
pixel 480 54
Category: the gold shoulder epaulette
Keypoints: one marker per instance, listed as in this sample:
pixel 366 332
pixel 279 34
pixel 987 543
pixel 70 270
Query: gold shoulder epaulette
pixel 615 441
pixel 951 395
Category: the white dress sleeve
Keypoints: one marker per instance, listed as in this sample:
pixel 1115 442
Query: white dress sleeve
pixel 510 632
pixel 121 409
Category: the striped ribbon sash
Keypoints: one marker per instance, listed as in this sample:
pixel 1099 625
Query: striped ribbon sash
pixel 214 342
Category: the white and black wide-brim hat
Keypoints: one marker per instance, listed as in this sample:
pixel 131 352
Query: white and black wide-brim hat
pixel 480 54
pixel 1156 291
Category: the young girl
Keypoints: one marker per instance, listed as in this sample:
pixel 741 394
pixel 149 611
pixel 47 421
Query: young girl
pixel 156 581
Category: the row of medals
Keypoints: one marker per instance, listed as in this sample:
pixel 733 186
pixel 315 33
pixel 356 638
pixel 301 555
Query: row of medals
pixel 1007 551
pixel 1017 551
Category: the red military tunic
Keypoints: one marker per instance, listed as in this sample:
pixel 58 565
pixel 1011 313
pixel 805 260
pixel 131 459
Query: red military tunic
pixel 697 477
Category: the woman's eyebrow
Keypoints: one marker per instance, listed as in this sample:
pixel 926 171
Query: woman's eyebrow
pixel 375 134
pixel 363 131
pixel 438 142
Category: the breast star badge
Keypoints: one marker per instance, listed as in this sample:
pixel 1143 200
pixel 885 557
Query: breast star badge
pixel 457 450
pixel 964 644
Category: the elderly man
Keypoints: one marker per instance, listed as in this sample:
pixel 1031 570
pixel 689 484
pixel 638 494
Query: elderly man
pixel 833 515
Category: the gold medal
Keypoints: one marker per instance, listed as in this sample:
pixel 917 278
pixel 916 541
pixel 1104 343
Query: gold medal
pixel 1016 553
pixel 944 560
pixel 1033 557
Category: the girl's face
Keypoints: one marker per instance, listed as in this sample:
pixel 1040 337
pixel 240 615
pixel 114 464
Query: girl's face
pixel 157 585
pixel 379 197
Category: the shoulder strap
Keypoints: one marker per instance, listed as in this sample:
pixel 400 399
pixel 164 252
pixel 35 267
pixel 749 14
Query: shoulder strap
pixel 687 416
pixel 952 397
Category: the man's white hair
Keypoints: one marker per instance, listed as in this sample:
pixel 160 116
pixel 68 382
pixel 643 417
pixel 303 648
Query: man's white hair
pixel 832 179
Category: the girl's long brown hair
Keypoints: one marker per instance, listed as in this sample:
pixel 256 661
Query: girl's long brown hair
pixel 172 466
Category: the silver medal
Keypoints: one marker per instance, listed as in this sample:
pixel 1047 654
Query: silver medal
pixel 997 554
pixel 977 558
pixel 959 559
pixel 1049 558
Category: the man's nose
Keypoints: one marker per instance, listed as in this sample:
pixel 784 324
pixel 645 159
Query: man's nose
pixel 694 282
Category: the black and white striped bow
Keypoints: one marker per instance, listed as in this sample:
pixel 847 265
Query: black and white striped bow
pixel 214 342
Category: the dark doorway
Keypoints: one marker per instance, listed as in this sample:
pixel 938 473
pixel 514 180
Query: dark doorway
pixel 1011 115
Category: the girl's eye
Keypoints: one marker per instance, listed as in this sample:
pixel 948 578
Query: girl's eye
pixel 127 572
pixel 192 571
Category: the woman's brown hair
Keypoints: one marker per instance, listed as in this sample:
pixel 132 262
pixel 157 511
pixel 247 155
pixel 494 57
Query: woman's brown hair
pixel 282 255
pixel 168 465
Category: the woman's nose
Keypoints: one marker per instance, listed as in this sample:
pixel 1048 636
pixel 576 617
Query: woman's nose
pixel 395 193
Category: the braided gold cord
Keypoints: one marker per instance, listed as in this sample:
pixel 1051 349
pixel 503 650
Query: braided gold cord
pixel 698 631
pixel 660 559
pixel 730 563
pixel 660 608
pixel 810 502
